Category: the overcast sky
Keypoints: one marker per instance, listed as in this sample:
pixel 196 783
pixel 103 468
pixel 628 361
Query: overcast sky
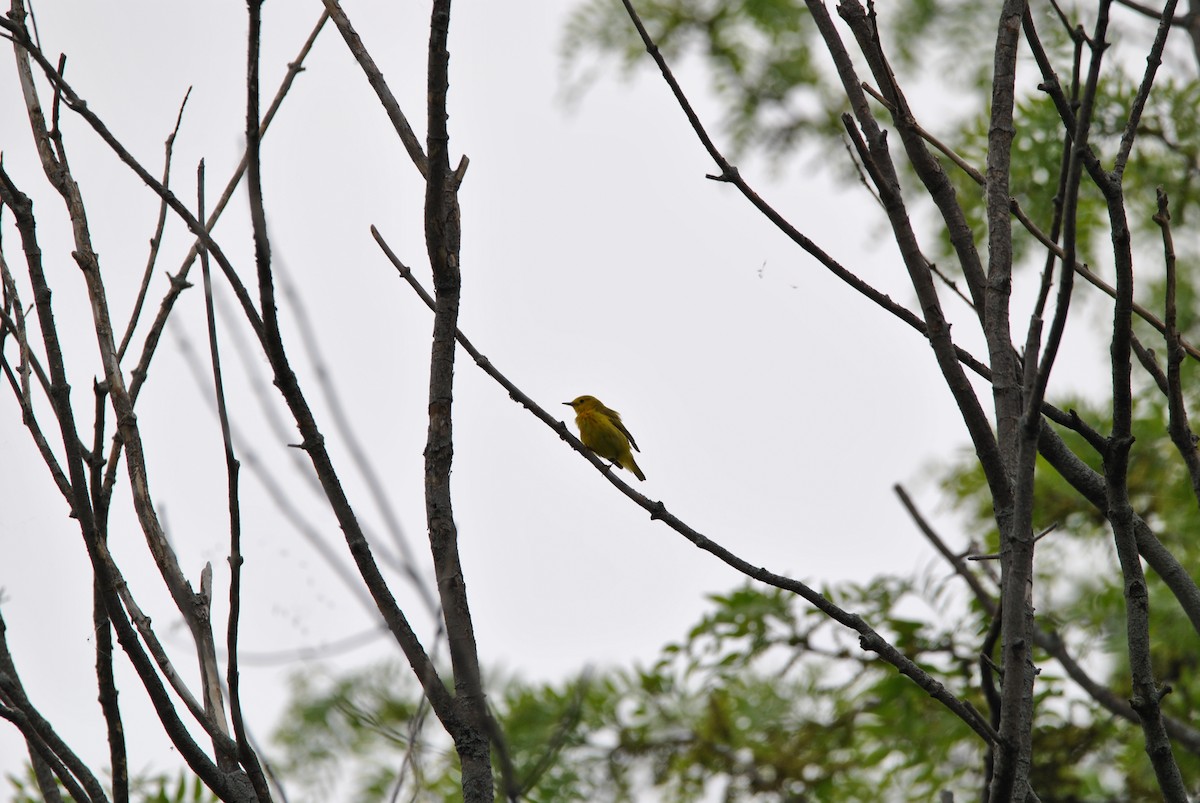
pixel 774 407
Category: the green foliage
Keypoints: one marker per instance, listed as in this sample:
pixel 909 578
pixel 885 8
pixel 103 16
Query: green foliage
pixel 183 787
pixel 768 66
pixel 357 715
pixel 1165 156
pixel 25 790
pixel 1080 592
pixel 759 54
pixel 763 701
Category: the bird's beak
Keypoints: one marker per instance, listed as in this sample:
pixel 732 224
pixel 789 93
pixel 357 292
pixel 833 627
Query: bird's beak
pixel 567 403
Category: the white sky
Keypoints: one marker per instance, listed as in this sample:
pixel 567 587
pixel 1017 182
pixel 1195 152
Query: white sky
pixel 774 407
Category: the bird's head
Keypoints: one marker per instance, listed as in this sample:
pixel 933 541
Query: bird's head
pixel 584 403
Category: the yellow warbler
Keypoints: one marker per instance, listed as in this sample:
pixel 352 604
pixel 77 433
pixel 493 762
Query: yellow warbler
pixel 601 430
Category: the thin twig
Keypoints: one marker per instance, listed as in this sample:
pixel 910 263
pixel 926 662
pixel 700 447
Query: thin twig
pixel 12 300
pixel 179 281
pixel 412 145
pixel 1178 425
pixel 156 239
pixel 956 562
pixel 245 752
pixel 29 418
pixel 1149 362
pixel 343 423
pixel 246 755
pixel 1146 694
pixel 279 494
pixel 39 735
pixel 1153 61
pixel 1076 144
pixel 107 688
pixel 1152 12
pixel 928 169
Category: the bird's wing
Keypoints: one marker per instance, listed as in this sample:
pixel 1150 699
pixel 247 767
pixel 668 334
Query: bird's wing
pixel 616 419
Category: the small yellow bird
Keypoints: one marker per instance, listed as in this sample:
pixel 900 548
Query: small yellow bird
pixel 601 430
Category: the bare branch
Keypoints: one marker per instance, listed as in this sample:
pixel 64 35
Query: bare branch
pixel 956 562
pixel 245 753
pixel 1146 694
pixel 1048 240
pixel 156 239
pixel 179 281
pixel 107 686
pixel 375 78
pixel 928 169
pixel 1153 62
pixel 443 232
pixel 1178 425
pixel 30 420
pixel 405 561
pixel 38 732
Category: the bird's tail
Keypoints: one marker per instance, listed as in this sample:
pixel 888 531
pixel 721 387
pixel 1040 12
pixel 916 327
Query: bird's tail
pixel 631 464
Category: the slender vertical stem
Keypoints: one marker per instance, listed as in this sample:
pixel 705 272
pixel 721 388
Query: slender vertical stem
pixel 442 235
pixel 1017 443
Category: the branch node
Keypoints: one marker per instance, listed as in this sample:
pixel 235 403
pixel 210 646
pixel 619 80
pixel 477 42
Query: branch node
pixel 729 174
pixel 316 442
